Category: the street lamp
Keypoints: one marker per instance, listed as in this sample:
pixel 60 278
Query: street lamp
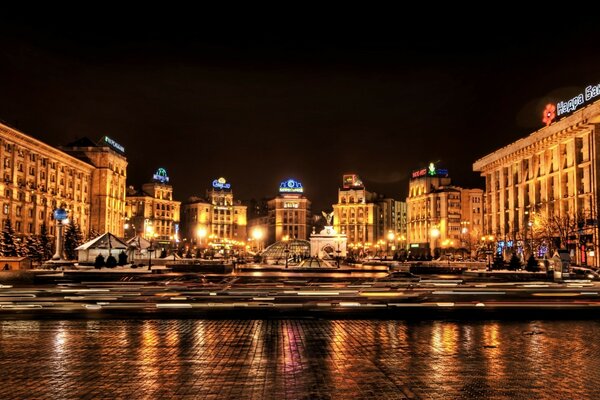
pixel 435 233
pixel 338 239
pixel 390 238
pixel 201 233
pixel 257 234
pixel 286 238
pixel 487 242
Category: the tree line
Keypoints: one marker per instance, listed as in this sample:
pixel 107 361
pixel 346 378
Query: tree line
pixel 40 247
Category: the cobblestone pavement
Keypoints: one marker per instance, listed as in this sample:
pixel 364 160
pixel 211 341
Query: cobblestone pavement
pixel 299 359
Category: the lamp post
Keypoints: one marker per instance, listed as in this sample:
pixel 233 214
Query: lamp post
pixel 150 249
pixel 338 251
pixel 257 234
pixel 464 230
pixel 488 242
pixel 201 233
pixel 435 233
pixel 390 238
pixel 286 238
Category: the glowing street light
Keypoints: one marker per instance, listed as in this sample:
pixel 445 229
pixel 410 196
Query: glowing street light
pixel 286 238
pixel 390 237
pixel 257 235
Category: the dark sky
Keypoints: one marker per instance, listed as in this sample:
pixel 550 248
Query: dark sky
pixel 259 103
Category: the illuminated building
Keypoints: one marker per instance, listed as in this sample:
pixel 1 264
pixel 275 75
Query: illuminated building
pixel 289 213
pixel 107 207
pixel 440 216
pixel 151 212
pixel 286 215
pixel 545 180
pixel 365 217
pixel 37 178
pixel 218 216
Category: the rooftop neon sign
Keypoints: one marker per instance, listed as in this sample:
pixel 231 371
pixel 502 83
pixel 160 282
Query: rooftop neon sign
pixel 113 144
pixel 161 175
pixel 221 183
pixel 291 186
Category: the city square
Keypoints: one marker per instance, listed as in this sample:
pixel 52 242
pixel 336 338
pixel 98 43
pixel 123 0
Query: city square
pixel 402 210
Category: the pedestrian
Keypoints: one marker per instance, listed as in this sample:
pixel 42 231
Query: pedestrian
pixel 6 267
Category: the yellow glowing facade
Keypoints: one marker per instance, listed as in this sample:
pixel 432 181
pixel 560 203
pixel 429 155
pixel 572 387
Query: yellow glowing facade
pixel 365 217
pixel 152 212
pixel 107 208
pixel 552 173
pixel 290 216
pixel 86 178
pixel 218 216
pixel 441 216
pixel 36 179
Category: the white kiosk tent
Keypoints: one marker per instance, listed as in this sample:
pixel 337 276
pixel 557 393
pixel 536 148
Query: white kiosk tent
pixel 137 249
pixel 105 244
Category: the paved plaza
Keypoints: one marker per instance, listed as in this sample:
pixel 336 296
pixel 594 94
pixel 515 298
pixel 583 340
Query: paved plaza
pixel 299 359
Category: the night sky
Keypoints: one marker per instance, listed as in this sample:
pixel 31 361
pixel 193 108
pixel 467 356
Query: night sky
pixel 258 103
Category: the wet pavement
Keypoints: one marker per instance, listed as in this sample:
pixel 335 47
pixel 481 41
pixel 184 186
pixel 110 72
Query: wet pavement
pixel 299 359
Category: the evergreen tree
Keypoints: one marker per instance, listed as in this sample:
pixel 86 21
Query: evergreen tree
pixel 498 262
pixel 34 248
pixel 122 258
pixel 514 263
pixel 111 261
pixel 45 243
pixel 99 263
pixel 21 246
pixel 73 239
pixel 532 264
pixel 8 246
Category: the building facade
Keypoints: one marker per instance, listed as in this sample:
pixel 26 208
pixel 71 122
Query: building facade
pixel 289 213
pixel 38 178
pixel 107 207
pixel 367 219
pixel 218 216
pixel 541 191
pixel 152 212
pixel 440 216
pixel 88 181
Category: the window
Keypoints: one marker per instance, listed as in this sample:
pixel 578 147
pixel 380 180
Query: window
pixel 5 209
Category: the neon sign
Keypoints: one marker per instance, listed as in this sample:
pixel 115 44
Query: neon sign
pixel 419 173
pixel 221 183
pixel 565 107
pixel 549 114
pixel 431 170
pixel 351 181
pixel 161 175
pixel 291 186
pixel 113 144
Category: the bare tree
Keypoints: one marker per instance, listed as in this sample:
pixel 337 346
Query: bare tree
pixel 556 230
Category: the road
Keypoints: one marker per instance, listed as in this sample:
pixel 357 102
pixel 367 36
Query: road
pixel 271 294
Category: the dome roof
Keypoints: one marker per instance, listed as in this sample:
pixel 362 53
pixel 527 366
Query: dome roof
pixel 295 246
